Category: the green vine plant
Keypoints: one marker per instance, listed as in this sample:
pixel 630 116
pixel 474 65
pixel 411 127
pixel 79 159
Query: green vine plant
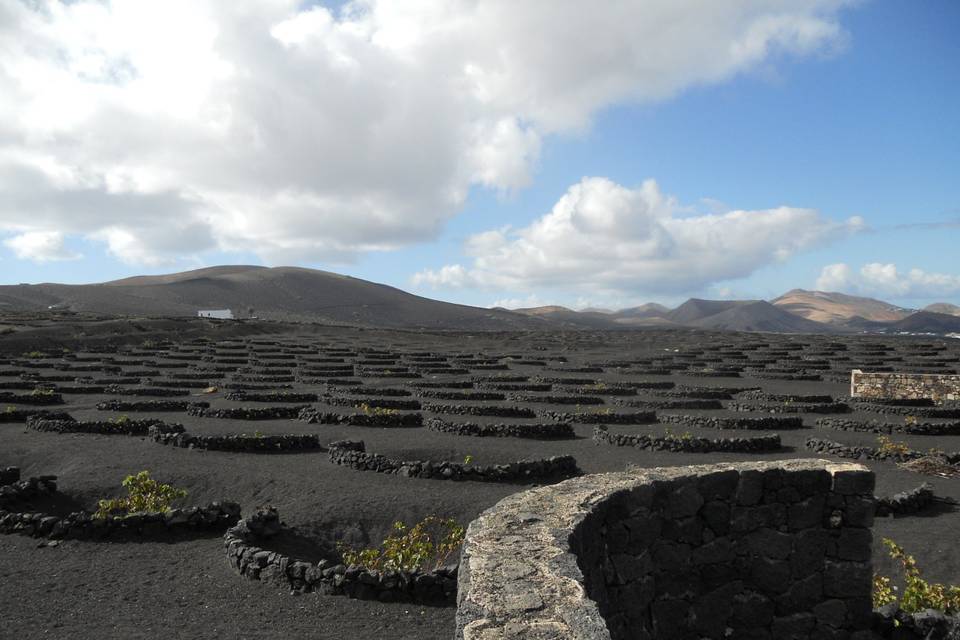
pixel 426 545
pixel 668 433
pixel 144 494
pixel 377 411
pixel 888 446
pixel 918 594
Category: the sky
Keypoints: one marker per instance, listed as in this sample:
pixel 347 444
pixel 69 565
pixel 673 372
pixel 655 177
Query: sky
pixel 492 153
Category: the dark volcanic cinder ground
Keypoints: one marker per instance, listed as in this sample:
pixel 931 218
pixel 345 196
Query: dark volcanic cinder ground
pixel 185 588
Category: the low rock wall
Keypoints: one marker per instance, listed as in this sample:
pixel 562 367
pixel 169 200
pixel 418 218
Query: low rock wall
pixel 747 550
pixel 761 423
pixel 937 387
pixel 789 407
pixel 312 415
pixel 688 444
pixel 241 543
pixel 906 502
pixel 12 414
pixel 479 410
pixel 353 454
pixel 821 445
pixel 36 399
pixel 150 405
pixel 601 417
pixel 247 413
pixel 282 443
pixel 538 431
pixel 242 395
pixel 17 516
pixel 119 427
pixel 873 426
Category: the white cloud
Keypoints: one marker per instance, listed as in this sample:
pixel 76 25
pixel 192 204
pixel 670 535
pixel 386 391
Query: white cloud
pixel 527 302
pixel 601 237
pixel 300 134
pixel 876 279
pixel 451 276
pixel 40 246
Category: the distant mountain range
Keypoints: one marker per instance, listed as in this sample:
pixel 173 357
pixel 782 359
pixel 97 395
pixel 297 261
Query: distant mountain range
pixel 298 294
pixel 797 311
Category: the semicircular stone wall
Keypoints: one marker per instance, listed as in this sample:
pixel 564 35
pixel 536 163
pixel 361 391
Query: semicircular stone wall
pixel 748 550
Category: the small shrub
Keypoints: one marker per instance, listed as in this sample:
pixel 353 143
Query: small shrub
pixel 918 594
pixel 429 543
pixel 378 411
pixel 35 355
pixel 668 433
pixel 121 419
pixel 467 459
pixel 144 494
pixel 42 391
pixel 910 420
pixel 887 446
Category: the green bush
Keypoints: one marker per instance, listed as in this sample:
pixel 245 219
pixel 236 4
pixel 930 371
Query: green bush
pixel 144 495
pixel 427 544
pixel 378 411
pixel 888 446
pixel 918 594
pixel 668 433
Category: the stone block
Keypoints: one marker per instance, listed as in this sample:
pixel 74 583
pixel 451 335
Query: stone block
pixel 719 486
pixel 847 579
pixel 854 544
pixel 853 482
pixel 684 502
pixel 806 514
pixel 750 487
pixel 751 610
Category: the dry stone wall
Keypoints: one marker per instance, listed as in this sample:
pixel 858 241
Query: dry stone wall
pixel 746 550
pixel 871 385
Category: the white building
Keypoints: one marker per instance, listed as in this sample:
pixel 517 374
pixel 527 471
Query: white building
pixel 222 314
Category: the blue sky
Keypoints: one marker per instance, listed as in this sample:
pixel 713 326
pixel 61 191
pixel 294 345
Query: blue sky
pixel 860 126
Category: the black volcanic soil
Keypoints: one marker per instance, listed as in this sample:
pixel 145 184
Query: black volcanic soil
pixel 185 589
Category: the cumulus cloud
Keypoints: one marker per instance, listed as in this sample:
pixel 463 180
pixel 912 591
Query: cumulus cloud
pixel 301 133
pixel 876 279
pixel 602 236
pixel 40 246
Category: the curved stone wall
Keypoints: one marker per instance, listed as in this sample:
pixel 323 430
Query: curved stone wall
pixel 538 431
pixel 688 444
pixel 759 550
pixel 353 454
pixel 241 543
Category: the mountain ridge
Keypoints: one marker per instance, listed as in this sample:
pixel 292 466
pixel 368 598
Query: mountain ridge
pixel 303 294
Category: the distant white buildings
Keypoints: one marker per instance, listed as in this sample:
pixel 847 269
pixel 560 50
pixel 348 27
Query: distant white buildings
pixel 222 314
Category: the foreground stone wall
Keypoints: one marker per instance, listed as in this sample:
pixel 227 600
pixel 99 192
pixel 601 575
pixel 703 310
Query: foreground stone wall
pixel 747 550
pixel 938 387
